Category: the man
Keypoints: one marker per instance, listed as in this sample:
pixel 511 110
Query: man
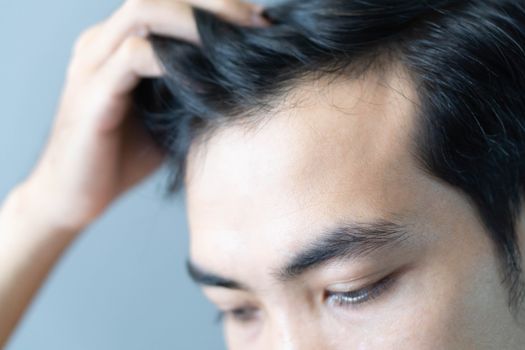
pixel 353 170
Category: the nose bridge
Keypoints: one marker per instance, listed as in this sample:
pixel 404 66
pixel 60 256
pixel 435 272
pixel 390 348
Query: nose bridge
pixel 294 332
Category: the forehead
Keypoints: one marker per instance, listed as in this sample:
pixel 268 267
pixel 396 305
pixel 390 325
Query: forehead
pixel 332 149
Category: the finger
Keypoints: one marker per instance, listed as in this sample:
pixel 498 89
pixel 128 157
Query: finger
pixel 86 37
pixel 133 60
pixel 236 11
pixel 165 17
pixel 82 54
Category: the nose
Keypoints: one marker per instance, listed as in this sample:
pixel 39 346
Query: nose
pixel 292 333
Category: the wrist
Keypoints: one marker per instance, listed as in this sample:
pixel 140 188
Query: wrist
pixel 31 210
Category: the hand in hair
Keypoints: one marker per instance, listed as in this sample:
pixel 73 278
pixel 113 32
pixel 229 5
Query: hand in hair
pixel 97 148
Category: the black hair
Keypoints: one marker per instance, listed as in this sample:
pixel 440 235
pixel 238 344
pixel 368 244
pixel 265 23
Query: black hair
pixel 466 58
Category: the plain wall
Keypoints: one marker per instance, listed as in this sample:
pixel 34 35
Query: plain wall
pixel 122 284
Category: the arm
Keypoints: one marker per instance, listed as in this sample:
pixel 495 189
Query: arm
pixel 96 149
pixel 28 250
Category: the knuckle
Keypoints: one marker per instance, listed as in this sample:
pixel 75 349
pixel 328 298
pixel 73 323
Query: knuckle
pixel 132 47
pixel 85 37
pixel 133 13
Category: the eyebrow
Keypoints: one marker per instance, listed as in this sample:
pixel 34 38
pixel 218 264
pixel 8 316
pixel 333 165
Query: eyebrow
pixel 206 278
pixel 341 242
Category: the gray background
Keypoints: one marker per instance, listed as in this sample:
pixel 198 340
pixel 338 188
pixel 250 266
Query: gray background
pixel 122 285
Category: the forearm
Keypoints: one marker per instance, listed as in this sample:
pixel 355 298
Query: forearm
pixel 29 248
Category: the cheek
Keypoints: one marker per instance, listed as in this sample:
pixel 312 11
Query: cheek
pixel 432 320
pixel 435 307
pixel 447 307
pixel 417 317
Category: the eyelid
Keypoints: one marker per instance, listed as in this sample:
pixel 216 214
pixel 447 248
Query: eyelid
pixel 222 314
pixel 359 296
pixel 360 282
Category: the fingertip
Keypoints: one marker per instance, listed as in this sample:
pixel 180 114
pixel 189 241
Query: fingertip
pixel 257 8
pixel 259 15
pixel 258 20
pixel 245 13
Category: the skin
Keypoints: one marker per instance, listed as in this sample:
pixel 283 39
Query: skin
pixel 256 197
pixel 342 150
pixel 96 151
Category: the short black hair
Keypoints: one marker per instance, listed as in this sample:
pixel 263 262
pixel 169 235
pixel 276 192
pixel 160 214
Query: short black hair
pixel 466 58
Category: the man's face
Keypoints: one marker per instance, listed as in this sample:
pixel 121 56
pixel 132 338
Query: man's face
pixel 317 230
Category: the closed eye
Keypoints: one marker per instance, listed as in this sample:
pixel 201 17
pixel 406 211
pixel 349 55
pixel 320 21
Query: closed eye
pixel 241 314
pixel 362 295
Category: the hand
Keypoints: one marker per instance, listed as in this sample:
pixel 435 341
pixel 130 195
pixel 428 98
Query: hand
pixel 96 149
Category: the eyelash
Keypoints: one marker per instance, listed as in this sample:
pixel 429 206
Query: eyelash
pixel 242 314
pixel 354 298
pixel 360 296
